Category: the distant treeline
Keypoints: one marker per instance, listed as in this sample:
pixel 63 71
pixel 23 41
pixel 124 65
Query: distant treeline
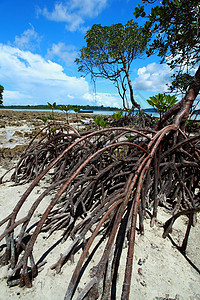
pixel 84 107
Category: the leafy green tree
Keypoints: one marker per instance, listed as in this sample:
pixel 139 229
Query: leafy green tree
pixel 99 121
pixel 52 107
pixel 117 116
pixel 76 110
pixel 162 102
pixel 1 94
pixel 180 82
pixel 130 111
pixel 102 123
pixel 109 54
pixel 175 28
pixel 175 37
pixel 66 109
pixel 140 113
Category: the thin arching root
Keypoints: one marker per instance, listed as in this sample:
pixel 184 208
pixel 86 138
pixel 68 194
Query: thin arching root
pixel 98 183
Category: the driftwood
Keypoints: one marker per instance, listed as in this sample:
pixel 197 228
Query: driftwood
pixel 100 181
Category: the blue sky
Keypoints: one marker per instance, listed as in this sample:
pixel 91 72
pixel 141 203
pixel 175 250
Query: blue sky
pixel 39 41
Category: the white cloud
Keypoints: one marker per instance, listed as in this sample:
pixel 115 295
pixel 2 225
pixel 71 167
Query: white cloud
pixel 9 95
pixel 66 54
pixel 31 79
pixel 104 99
pixel 74 12
pixel 70 96
pixel 28 40
pixel 154 78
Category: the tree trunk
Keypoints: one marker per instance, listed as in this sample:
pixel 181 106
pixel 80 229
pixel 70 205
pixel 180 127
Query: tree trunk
pixel 182 108
pixel 134 103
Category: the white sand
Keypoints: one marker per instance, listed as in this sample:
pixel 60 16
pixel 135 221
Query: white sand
pixel 163 273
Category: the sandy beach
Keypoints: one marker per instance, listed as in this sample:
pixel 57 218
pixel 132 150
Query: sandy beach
pixel 160 271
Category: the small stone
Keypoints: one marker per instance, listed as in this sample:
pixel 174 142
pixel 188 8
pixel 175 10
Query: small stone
pixel 143 283
pixel 140 271
pixel 153 246
pixel 140 262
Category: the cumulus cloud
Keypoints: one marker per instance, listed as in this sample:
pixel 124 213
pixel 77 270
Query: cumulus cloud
pixel 9 95
pixel 64 53
pixel 104 99
pixel 74 12
pixel 154 78
pixel 28 40
pixel 30 79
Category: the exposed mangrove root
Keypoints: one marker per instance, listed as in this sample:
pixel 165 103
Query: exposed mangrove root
pixel 99 182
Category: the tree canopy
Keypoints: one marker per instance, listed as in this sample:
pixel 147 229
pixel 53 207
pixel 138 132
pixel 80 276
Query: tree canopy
pixel 180 82
pixel 175 37
pixel 175 28
pixel 171 30
pixel 109 53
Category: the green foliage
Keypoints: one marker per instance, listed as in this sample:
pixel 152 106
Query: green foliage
pixel 102 123
pixel 117 116
pixel 76 109
pixel 66 108
pixel 61 107
pixel 190 126
pixel 43 107
pixel 180 82
pixel 130 111
pixel 109 53
pixel 129 137
pixel 162 102
pixel 1 94
pixel 106 44
pixel 139 11
pixel 156 120
pixel 175 36
pixel 50 117
pixel 44 120
pixel 188 122
pixel 99 121
pixel 140 113
pixel 175 28
pixel 52 106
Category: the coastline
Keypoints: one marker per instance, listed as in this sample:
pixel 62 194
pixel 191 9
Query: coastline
pixel 17 128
